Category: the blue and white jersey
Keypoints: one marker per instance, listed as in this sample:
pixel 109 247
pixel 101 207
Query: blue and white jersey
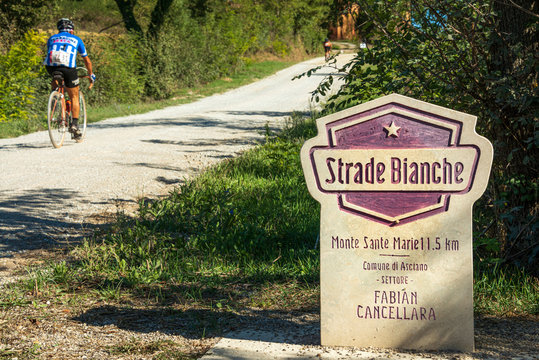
pixel 62 49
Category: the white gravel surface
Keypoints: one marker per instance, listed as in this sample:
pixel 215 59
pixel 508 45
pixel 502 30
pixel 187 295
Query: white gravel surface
pixel 45 193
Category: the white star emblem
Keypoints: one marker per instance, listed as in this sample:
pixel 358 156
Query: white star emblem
pixel 392 130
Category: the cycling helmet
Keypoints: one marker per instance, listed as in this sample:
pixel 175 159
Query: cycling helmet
pixel 65 24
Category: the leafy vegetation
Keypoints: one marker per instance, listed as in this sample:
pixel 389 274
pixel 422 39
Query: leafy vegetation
pixel 479 57
pixel 148 50
pixel 16 18
pixel 20 68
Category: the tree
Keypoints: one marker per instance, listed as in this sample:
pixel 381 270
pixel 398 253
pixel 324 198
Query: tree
pixel 157 17
pixel 127 9
pixel 475 56
pixel 16 18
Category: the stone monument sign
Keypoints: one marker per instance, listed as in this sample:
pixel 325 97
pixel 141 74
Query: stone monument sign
pixel 397 179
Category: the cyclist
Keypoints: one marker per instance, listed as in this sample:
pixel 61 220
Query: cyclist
pixel 62 49
pixel 327 48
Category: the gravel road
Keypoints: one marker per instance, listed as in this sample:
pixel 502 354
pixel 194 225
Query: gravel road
pixel 47 195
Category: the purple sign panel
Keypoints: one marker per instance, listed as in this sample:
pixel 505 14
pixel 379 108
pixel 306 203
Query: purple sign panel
pixel 386 169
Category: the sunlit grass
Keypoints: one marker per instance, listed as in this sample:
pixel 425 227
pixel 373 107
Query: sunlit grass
pixel 506 291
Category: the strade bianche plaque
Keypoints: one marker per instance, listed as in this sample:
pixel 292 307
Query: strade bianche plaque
pixel 397 179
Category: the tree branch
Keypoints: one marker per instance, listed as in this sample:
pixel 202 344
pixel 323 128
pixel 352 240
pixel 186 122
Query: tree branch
pixel 511 2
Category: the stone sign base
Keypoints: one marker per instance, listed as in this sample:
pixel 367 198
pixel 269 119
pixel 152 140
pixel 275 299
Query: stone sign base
pixel 397 179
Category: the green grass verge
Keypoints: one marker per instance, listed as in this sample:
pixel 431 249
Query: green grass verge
pixel 505 291
pixel 251 72
pixel 248 220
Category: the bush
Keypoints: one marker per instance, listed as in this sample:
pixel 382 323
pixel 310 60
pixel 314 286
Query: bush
pixel 116 62
pixel 20 71
pixel 16 18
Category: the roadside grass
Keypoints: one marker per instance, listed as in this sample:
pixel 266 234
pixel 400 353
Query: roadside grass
pixel 161 350
pixel 251 72
pixel 243 225
pixel 506 292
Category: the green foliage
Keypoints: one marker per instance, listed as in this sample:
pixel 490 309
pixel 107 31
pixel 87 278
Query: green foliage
pixel 170 45
pixel 479 57
pixel 311 23
pixel 20 70
pixel 16 18
pixel 205 40
pixel 116 62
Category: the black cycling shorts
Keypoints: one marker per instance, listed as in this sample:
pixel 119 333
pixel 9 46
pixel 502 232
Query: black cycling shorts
pixel 71 78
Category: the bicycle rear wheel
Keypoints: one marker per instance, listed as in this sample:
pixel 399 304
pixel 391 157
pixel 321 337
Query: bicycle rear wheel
pixel 56 123
pixel 82 117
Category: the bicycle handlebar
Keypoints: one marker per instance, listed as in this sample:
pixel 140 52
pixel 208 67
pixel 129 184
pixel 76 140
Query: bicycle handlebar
pixel 86 76
pixel 91 83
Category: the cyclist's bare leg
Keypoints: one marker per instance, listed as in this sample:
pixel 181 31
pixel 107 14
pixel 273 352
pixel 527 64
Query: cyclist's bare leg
pixel 74 96
pixel 54 85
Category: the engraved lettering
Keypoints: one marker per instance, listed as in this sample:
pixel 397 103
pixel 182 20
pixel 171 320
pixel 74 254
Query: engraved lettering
pixel 436 178
pixel 459 168
pixel 380 168
pixel 358 178
pixel 447 169
pixel 395 170
pixel 369 171
pixel 331 173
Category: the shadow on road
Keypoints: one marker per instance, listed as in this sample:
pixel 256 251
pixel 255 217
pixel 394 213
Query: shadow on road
pixel 280 114
pixel 495 337
pixel 199 121
pixel 36 219
pixel 20 146
pixel 197 323
pixel 206 142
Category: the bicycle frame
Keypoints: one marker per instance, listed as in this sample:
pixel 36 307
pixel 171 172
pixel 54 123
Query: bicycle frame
pixel 58 85
pixel 59 115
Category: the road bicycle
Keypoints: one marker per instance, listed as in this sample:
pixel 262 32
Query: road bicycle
pixel 59 117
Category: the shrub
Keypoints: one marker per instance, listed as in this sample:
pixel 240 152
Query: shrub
pixel 20 71
pixel 115 61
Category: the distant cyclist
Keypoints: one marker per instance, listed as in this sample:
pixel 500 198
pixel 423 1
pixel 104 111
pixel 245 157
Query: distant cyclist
pixel 327 48
pixel 62 49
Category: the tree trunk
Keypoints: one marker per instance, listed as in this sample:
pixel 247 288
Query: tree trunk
pixel 128 15
pixel 158 15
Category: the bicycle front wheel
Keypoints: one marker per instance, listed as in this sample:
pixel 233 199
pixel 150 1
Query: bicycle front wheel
pixel 82 117
pixel 56 121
